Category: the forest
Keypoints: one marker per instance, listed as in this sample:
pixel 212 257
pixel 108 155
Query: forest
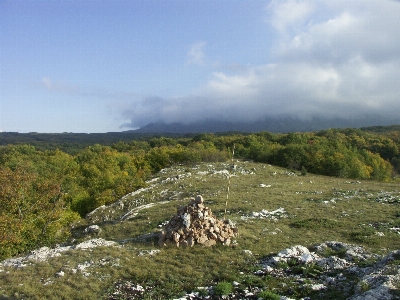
pixel 45 189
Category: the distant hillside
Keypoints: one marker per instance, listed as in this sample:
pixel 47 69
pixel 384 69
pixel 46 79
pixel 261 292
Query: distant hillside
pixel 72 142
pixel 381 129
pixel 274 125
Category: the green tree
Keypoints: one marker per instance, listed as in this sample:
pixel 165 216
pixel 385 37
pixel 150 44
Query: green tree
pixel 293 156
pixel 104 176
pixel 158 158
pixel 380 169
pixel 32 212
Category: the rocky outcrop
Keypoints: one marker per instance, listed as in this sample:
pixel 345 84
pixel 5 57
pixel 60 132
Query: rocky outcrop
pixel 44 253
pixel 195 224
pixel 329 270
pixel 336 265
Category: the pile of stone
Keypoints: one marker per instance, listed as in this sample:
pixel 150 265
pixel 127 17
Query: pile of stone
pixel 195 224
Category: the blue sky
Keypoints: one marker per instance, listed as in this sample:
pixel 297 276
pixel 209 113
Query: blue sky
pixel 101 66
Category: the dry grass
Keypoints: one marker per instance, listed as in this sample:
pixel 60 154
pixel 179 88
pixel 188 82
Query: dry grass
pixel 318 209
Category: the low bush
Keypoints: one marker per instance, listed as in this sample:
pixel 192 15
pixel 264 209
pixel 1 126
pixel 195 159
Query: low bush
pixel 268 295
pixel 223 288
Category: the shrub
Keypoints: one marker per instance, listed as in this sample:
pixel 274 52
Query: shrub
pixel 309 270
pixel 268 295
pixel 328 252
pixel 364 286
pixel 303 171
pixel 223 288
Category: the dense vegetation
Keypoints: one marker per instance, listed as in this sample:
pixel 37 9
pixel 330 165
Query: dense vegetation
pixel 44 190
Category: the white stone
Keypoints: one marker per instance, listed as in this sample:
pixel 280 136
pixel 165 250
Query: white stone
pixel 92 229
pixel 294 251
pixel 93 243
pixel 318 287
pixel 148 252
pixel 333 263
pixel 138 288
pixel 186 220
pixel 307 258
pixel 60 274
pixel 262 185
pixel 269 269
pixel 176 236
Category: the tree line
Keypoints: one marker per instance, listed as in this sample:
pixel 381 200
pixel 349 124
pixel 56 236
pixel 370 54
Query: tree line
pixel 44 191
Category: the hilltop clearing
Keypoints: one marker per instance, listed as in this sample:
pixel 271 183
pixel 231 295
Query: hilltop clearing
pixel 286 221
pixel 44 192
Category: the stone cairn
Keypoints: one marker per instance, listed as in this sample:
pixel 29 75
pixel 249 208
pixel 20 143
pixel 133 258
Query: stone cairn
pixel 195 224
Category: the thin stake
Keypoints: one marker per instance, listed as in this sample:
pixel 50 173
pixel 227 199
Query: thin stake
pixel 229 182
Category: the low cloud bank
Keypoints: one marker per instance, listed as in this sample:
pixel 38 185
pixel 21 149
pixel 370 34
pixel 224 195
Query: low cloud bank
pixel 330 60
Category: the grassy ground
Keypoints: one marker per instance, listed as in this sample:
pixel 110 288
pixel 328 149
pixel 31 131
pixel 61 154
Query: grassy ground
pixel 317 209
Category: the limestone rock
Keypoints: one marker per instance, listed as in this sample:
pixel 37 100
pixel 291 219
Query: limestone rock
pixel 95 229
pixel 195 224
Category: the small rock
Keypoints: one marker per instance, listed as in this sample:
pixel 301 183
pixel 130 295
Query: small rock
pixel 247 252
pixel 210 243
pixel 93 229
pixel 60 274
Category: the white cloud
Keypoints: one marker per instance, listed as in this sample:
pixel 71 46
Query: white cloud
pixel 332 59
pixel 196 55
pixel 290 13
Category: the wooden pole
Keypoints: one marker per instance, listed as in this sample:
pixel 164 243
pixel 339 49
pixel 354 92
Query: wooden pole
pixel 229 181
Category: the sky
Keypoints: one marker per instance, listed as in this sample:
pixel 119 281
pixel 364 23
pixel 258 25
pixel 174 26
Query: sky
pixel 105 66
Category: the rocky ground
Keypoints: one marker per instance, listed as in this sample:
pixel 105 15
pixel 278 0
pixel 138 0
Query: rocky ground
pixel 322 271
pixel 44 253
pixel 329 266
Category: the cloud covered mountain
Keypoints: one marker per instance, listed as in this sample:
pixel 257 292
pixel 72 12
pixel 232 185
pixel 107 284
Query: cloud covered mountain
pixel 276 125
pixel 334 63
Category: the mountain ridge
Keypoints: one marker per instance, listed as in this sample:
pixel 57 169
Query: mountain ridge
pixel 274 125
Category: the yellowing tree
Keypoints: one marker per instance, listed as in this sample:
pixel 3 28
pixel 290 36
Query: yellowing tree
pixel 32 212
